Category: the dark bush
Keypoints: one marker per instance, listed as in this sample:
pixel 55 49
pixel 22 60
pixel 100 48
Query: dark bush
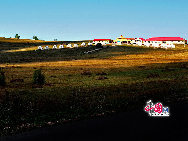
pixel 101 73
pixel 102 78
pixel 2 78
pixel 38 77
pixel 99 45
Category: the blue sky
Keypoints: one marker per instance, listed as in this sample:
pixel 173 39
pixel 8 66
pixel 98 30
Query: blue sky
pixel 89 19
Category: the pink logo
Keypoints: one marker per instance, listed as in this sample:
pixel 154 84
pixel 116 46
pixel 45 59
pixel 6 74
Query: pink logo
pixel 157 109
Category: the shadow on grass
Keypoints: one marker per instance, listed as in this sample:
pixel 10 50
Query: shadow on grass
pixel 20 44
pixel 68 54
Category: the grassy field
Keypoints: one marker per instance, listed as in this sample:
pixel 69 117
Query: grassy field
pixel 80 85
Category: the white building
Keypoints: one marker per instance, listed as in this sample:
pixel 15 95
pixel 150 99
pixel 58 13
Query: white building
pixel 75 45
pixel 102 41
pixel 138 41
pixel 61 46
pixel 40 48
pixel 90 44
pixel 46 47
pixel 54 47
pixel 83 44
pixel 69 46
pixel 165 42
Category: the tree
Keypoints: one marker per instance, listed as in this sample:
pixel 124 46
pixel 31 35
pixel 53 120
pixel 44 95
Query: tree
pixel 17 36
pixel 35 38
pixel 55 39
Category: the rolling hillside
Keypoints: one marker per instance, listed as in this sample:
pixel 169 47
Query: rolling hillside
pixel 82 86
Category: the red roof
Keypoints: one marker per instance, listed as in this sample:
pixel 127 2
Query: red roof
pixel 165 39
pixel 130 38
pixel 140 39
pixel 102 40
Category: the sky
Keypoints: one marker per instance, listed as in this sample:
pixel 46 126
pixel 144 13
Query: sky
pixel 89 19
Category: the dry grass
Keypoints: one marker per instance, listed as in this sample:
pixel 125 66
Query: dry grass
pixel 132 60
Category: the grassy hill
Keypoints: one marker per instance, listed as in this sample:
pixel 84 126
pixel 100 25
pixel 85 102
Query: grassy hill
pixel 13 43
pixel 80 85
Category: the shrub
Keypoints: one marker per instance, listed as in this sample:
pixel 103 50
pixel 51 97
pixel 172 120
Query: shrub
pixel 38 77
pixel 99 45
pixel 2 78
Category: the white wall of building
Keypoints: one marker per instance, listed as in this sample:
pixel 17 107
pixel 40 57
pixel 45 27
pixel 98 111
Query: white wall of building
pixel 102 42
pixel 162 44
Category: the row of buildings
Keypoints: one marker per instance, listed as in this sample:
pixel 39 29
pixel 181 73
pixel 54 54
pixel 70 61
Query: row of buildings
pixel 164 42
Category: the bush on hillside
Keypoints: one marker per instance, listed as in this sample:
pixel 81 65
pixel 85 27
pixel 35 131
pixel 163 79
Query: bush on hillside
pixel 2 78
pixel 38 77
pixel 99 45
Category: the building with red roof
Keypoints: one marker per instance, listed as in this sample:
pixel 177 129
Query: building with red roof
pixel 164 41
pixel 102 41
pixel 168 42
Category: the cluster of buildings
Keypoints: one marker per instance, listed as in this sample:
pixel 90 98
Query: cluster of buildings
pixel 162 42
pixel 156 42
